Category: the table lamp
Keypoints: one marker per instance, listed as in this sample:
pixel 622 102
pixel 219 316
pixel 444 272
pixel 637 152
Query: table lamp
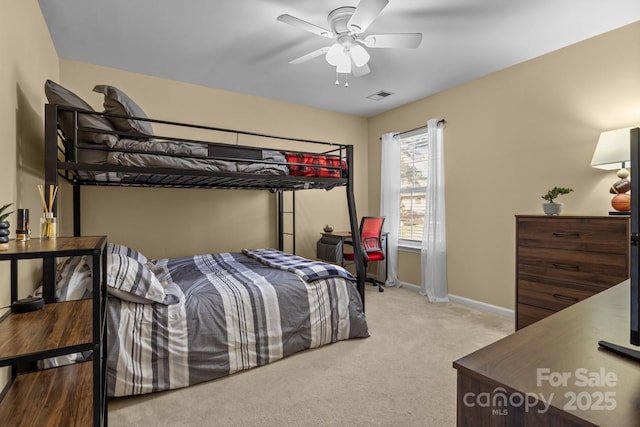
pixel 613 152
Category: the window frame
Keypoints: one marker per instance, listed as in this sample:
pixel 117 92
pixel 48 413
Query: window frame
pixel 419 135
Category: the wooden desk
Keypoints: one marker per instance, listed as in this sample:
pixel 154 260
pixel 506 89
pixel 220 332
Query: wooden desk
pixel 341 234
pixel 505 383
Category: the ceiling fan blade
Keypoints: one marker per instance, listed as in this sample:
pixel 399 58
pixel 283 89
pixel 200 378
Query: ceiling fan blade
pixel 360 71
pixel 310 55
pixel 401 40
pixel 365 13
pixel 304 25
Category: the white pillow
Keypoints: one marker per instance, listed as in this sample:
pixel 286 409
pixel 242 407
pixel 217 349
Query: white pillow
pixel 74 279
pixel 116 248
pixel 130 280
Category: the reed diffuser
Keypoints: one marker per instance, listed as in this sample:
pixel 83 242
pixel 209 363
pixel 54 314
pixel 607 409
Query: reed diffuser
pixel 48 223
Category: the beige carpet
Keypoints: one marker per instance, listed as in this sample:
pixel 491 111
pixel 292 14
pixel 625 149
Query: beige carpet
pixel 401 375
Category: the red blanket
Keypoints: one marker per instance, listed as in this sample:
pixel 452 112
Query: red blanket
pixel 304 164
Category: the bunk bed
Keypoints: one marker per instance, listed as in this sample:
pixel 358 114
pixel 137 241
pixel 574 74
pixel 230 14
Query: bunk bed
pixel 82 150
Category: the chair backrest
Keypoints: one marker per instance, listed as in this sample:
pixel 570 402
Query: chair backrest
pixel 370 232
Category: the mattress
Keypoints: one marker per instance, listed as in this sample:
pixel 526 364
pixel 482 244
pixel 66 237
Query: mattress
pixel 215 314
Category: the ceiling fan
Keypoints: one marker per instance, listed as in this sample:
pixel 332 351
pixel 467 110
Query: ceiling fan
pixel 348 53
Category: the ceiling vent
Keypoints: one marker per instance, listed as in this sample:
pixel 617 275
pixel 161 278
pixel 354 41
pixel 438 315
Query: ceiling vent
pixel 380 95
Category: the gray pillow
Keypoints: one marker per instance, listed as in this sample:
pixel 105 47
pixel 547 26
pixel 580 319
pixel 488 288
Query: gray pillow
pixel 57 94
pixel 117 102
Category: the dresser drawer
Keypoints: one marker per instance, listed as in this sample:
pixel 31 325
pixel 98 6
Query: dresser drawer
pixel 561 260
pixel 551 296
pixel 583 234
pixel 598 270
pixel 528 314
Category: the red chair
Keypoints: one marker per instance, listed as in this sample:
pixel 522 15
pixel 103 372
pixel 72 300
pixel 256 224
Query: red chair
pixel 370 236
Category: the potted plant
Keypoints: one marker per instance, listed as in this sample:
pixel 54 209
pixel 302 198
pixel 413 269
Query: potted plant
pixel 551 207
pixel 4 226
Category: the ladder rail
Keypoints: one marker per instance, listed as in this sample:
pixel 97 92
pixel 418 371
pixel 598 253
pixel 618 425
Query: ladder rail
pixel 281 221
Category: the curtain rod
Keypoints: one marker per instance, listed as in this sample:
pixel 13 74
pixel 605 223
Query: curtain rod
pixel 441 121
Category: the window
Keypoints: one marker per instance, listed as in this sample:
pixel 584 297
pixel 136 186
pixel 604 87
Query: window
pixel 413 185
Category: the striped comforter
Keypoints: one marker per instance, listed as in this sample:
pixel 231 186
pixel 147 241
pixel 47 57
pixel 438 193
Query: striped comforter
pixel 233 313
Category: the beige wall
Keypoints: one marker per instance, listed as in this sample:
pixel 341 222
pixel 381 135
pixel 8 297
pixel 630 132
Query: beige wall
pixel 175 222
pixel 511 136
pixel 28 58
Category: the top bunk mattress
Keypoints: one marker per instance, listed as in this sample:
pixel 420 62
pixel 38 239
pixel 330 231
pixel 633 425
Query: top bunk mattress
pixel 120 146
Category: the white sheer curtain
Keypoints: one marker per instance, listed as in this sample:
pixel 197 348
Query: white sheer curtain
pixel 434 240
pixel 390 201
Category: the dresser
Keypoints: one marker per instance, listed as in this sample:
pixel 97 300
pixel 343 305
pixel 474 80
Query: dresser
pixel 561 260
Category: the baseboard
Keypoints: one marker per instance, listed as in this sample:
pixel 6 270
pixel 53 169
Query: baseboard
pixel 469 302
pixel 506 312
pixel 409 286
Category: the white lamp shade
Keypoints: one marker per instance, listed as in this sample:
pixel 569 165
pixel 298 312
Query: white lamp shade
pixel 612 150
pixel 334 54
pixel 359 55
pixel 344 65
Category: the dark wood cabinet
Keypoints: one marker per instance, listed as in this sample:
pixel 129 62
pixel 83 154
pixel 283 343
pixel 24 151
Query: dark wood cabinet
pixel 561 260
pixel 72 395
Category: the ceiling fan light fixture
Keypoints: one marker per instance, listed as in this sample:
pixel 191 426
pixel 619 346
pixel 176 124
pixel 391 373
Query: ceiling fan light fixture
pixel 359 55
pixel 344 65
pixel 349 53
pixel 334 54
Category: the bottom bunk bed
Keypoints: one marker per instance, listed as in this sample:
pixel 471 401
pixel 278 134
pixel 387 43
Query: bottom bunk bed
pixel 177 322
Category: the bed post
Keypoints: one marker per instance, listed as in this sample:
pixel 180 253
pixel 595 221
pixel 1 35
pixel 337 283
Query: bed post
pixel 355 229
pixel 50 178
pixel 76 209
pixel 51 148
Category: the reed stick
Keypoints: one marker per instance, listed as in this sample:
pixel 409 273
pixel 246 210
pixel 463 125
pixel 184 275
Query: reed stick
pixel 53 192
pixel 50 198
pixel 44 204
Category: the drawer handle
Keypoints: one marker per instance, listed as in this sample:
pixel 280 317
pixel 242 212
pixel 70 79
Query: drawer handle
pixel 566 266
pixel 565 298
pixel 566 234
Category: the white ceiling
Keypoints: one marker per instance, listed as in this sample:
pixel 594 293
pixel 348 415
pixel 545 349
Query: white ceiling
pixel 238 45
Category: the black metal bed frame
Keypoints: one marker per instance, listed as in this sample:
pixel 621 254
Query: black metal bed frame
pixel 61 154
